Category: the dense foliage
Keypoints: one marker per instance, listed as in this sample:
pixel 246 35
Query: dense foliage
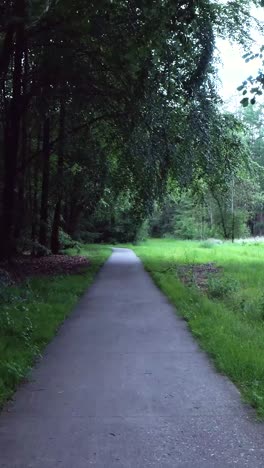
pixel 101 103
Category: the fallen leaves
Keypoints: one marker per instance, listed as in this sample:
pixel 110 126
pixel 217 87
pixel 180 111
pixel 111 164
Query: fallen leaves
pixel 24 267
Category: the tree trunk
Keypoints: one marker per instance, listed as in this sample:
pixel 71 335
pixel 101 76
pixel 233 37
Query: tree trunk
pixel 75 212
pixel 20 218
pixel 11 137
pixel 233 208
pixel 20 204
pixel 43 229
pixel 55 241
pixel 221 216
pixel 7 51
pixel 34 214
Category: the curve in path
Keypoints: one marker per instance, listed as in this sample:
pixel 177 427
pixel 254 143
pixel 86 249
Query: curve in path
pixel 125 385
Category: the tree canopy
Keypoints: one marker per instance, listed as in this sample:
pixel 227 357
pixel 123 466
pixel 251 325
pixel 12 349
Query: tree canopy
pixel 102 104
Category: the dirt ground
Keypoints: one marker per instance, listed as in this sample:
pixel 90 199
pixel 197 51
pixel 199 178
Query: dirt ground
pixel 197 274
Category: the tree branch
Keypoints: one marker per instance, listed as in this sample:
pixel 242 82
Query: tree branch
pixel 71 132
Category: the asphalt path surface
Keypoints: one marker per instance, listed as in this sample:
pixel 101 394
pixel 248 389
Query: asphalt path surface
pixel 124 384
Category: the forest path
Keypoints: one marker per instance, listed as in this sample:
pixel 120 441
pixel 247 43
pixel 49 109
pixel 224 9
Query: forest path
pixel 124 384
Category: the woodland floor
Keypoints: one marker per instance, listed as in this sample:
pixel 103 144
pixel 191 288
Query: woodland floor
pixel 24 267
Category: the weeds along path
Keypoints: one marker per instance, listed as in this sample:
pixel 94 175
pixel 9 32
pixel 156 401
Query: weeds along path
pixel 125 385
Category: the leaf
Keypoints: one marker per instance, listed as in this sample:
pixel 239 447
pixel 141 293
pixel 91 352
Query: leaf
pixel 253 101
pixel 244 102
pixel 240 87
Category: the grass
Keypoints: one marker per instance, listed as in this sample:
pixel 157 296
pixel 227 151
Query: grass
pixel 227 319
pixel 31 313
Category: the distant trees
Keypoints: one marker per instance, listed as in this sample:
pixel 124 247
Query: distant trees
pixel 224 200
pixel 252 117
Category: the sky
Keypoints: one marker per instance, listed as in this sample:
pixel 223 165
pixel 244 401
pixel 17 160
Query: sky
pixel 234 70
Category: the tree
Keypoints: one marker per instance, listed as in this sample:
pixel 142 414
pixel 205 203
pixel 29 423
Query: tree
pixel 120 79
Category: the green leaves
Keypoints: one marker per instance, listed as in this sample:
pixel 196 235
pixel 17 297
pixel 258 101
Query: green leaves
pixel 136 79
pixel 245 102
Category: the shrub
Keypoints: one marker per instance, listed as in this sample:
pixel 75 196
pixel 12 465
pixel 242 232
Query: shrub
pixel 220 287
pixel 66 241
pixel 143 232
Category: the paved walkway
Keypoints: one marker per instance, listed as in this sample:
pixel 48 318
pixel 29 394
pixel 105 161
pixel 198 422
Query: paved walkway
pixel 124 385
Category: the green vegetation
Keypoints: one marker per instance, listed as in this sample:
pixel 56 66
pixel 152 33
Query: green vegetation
pixel 31 313
pixel 227 313
pixel 228 205
pixel 98 97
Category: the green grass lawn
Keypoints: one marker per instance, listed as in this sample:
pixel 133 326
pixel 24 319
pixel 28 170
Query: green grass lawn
pixel 227 317
pixel 31 314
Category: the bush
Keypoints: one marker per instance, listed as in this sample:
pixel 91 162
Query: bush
pixel 143 232
pixel 252 308
pixel 236 223
pixel 221 287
